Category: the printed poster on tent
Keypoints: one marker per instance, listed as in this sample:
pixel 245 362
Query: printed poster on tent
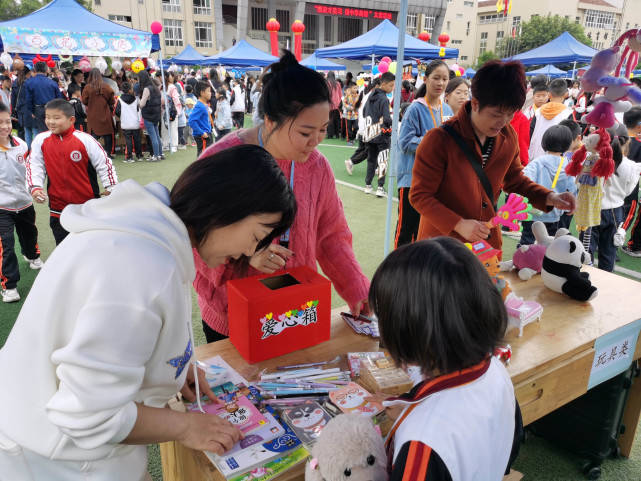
pixel 46 41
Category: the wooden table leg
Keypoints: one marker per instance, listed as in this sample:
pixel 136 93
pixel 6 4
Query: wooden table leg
pixel 631 416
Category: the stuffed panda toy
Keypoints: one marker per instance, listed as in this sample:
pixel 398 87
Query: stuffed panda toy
pixel 561 270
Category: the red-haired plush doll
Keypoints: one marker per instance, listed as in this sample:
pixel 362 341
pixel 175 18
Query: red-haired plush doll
pixel 591 165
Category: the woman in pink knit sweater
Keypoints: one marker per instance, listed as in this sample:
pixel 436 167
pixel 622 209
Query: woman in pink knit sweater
pixel 295 104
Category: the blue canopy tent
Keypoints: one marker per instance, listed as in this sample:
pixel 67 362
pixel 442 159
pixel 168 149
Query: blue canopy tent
pixel 316 63
pixel 242 54
pixel 64 27
pixel 563 49
pixel 189 56
pixel 549 70
pixel 470 72
pixel 382 41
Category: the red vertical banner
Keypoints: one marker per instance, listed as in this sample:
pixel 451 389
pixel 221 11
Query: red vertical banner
pixel 273 27
pixel 298 28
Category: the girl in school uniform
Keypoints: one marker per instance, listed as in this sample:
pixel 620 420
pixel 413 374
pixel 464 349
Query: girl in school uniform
pixel 439 310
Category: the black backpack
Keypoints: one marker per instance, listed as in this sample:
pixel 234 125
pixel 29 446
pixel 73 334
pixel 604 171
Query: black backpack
pixel 173 113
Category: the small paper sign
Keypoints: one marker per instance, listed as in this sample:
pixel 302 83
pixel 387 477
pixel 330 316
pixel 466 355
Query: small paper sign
pixel 613 353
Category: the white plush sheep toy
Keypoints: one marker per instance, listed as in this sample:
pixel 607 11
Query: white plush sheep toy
pixel 348 449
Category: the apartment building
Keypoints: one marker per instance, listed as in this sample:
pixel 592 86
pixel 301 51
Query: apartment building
pixel 476 27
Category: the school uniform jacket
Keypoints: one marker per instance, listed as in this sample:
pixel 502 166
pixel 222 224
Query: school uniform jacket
pixel 71 161
pixel 463 426
pixel 14 196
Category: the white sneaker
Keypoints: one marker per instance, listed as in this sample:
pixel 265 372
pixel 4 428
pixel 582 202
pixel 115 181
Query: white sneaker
pixel 368 189
pixel 34 264
pixel 182 147
pixel 349 166
pixel 10 295
pixel 380 192
pixel 174 150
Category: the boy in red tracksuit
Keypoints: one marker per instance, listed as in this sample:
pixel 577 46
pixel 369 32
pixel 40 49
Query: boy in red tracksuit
pixel 70 159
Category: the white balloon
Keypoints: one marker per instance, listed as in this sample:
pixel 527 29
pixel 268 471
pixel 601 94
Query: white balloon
pixel 101 65
pixel 116 66
pixel 6 60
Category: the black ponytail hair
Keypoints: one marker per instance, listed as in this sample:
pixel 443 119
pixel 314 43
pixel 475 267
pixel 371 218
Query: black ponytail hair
pixel 433 65
pixel 289 88
pixel 619 137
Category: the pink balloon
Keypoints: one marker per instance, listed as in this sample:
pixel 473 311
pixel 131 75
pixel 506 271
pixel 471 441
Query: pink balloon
pixel 156 27
pixel 383 67
pixel 386 60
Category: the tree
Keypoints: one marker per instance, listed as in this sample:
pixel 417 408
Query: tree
pixel 539 31
pixel 485 57
pixel 10 9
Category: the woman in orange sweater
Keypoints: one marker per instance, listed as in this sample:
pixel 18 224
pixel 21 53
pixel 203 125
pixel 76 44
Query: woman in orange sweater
pixel 461 167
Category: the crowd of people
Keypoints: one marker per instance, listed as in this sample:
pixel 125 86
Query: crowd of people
pixel 258 200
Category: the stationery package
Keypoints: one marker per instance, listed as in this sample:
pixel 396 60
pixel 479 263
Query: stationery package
pixel 382 375
pixel 351 399
pixel 307 420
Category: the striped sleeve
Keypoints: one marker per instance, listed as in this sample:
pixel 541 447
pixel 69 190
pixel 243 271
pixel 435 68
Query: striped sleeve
pixel 417 462
pixel 35 164
pixel 99 159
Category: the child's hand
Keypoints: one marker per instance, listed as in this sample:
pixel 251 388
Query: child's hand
pixel 39 195
pixel 270 259
pixel 209 432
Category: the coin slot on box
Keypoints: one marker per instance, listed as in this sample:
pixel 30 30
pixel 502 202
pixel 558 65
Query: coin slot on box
pixel 279 282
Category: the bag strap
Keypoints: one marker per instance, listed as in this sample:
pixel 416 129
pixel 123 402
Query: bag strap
pixel 473 159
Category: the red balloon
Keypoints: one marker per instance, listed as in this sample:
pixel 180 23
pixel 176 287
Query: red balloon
pixel 51 63
pixel 156 27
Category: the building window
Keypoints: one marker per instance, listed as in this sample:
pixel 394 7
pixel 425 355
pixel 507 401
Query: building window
pixel 428 23
pixel 202 31
pixel 483 43
pixel 598 19
pixel 202 7
pixel 283 18
pixel 463 57
pixel 516 21
pixel 348 28
pixel 311 27
pixel 171 6
pixel 328 29
pixel 97 2
pixel 412 22
pixel 459 16
pixel 493 18
pixel 259 18
pixel 467 29
pixel 120 18
pixel 449 25
pixel 499 38
pixel 456 42
pixel 577 19
pixel 173 32
pixel 468 4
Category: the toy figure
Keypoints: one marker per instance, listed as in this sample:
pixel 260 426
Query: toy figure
pixel 489 257
pixel 562 269
pixel 348 448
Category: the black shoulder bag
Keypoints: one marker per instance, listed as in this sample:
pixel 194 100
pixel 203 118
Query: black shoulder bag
pixel 473 159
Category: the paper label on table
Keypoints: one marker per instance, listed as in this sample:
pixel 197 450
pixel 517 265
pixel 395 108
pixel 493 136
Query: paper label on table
pixel 613 353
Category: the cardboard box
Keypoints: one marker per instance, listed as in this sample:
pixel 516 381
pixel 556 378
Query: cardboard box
pixel 272 315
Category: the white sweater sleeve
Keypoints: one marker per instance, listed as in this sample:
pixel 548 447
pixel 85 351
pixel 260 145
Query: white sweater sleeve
pixel 35 165
pixel 102 367
pixel 100 161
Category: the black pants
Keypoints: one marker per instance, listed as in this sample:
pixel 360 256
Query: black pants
pixel 408 219
pixel 360 154
pixel 238 118
pixel 132 143
pixel 181 136
pixel 202 143
pixel 59 232
pixel 565 221
pixel 527 236
pixel 352 127
pixel 108 139
pixel 211 335
pixel 376 157
pixel 24 222
pixel 334 126
pixel 222 133
pixel 602 240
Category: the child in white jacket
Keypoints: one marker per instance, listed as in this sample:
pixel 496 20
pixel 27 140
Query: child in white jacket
pixel 128 110
pixel 615 189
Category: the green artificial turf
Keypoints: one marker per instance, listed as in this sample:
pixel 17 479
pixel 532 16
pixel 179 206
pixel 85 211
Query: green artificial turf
pixel 538 459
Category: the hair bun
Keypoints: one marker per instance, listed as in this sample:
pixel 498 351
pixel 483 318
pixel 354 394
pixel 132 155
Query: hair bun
pixel 286 61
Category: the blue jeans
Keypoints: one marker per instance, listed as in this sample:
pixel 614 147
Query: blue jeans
pixel 29 134
pixel 152 131
pixel 603 236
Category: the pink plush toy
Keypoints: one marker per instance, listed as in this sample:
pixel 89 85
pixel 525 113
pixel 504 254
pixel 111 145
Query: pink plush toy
pixel 602 64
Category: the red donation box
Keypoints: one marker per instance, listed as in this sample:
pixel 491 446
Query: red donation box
pixel 271 315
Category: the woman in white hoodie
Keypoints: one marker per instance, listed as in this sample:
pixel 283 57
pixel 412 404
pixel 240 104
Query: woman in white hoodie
pixel 104 338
